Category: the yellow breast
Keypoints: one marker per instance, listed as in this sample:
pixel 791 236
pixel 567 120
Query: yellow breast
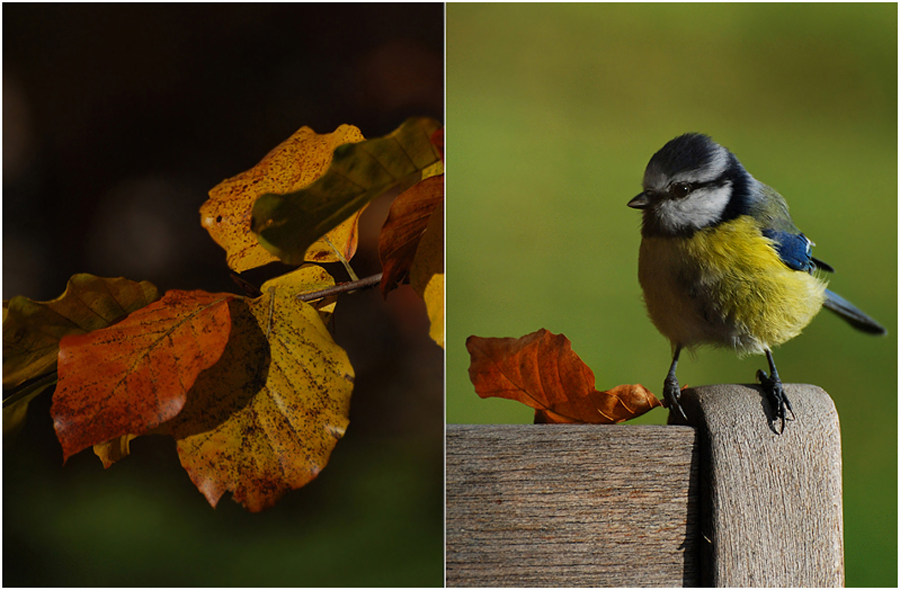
pixel 726 286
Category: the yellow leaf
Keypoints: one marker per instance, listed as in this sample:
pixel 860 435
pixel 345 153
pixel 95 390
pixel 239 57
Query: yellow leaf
pixel 306 279
pixel 427 273
pixel 292 165
pixel 115 449
pixel 265 419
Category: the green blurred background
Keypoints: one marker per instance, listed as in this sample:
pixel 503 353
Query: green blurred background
pixel 554 111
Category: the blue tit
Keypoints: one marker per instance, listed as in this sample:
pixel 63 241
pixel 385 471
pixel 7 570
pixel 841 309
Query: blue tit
pixel 722 263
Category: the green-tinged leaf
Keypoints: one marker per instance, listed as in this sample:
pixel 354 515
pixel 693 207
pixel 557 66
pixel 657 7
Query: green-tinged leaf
pixel 32 329
pixel 294 164
pixel 287 225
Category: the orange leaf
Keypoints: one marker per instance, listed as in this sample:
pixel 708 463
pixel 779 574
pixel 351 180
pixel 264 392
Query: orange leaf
pixel 402 231
pixel 292 165
pixel 540 370
pixel 33 329
pixel 622 402
pixel 130 377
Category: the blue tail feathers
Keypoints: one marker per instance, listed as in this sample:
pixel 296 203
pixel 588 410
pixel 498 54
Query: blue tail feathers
pixel 852 315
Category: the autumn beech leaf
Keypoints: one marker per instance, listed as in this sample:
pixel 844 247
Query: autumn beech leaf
pixel 306 279
pixel 404 228
pixel 265 419
pixel 541 371
pixel 622 402
pixel 32 329
pixel 112 450
pixel 288 224
pixel 294 164
pixel 427 273
pixel 133 376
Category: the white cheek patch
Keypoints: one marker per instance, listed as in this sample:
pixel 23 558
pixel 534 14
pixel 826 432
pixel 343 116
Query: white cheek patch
pixel 702 208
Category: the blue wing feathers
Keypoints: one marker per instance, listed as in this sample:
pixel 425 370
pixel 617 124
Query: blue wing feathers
pixel 793 249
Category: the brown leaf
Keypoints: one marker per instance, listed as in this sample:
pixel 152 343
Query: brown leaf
pixel 292 165
pixel 540 370
pixel 404 228
pixel 622 402
pixel 130 377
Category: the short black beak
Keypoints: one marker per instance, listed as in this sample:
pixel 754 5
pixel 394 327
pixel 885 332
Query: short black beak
pixel 640 201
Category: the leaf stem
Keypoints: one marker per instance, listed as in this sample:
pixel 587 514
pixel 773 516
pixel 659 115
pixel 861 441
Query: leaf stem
pixel 343 260
pixel 341 288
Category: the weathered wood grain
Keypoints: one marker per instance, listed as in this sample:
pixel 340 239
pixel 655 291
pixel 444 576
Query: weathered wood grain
pixel 571 505
pixel 771 504
pixel 728 503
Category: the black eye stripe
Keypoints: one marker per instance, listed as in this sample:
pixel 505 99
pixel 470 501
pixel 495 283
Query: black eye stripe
pixel 683 189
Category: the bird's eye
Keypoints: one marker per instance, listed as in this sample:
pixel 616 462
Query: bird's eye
pixel 680 190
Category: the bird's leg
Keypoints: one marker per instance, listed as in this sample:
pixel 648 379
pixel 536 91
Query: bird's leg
pixel 773 388
pixel 671 389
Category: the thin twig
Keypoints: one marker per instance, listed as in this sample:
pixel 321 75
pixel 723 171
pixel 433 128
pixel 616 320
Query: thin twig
pixel 341 288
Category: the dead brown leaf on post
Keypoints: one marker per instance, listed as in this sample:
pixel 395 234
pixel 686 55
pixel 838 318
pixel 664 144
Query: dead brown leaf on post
pixel 541 371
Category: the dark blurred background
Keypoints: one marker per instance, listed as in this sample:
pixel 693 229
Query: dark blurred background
pixel 117 120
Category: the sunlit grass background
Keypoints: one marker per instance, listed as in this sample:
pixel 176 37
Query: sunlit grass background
pixel 554 110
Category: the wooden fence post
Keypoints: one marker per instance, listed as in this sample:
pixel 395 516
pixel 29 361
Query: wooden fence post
pixel 723 502
pixel 771 503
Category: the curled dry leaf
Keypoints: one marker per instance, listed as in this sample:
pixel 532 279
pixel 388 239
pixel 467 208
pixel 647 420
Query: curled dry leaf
pixel 403 230
pixel 130 377
pixel 540 370
pixel 622 402
pixel 265 419
pixel 292 165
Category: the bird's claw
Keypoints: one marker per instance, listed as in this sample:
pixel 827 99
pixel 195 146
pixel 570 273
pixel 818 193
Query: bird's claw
pixel 775 391
pixel 672 396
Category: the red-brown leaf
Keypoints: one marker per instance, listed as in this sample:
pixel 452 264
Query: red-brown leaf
pixel 403 230
pixel 622 402
pixel 540 370
pixel 132 376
